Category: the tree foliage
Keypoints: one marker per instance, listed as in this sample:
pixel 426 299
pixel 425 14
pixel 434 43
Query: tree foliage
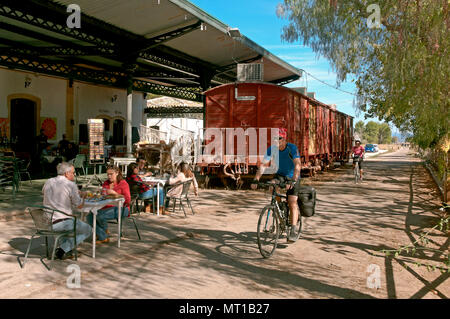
pixel 373 132
pixel 359 129
pixel 384 135
pixel 402 68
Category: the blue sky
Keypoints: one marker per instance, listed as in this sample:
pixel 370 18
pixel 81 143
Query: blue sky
pixel 257 20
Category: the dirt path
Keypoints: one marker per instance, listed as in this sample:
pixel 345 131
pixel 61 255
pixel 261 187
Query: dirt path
pixel 213 254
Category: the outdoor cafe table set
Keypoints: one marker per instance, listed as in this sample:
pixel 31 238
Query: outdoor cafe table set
pixel 93 204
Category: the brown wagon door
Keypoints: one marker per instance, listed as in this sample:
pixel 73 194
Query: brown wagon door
pixel 217 110
pixel 297 125
pixel 273 111
pixel 312 148
pixel 304 118
pixel 326 124
pixel 243 105
pixel 332 133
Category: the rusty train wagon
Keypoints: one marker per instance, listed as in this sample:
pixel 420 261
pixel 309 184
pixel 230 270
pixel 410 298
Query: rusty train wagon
pixel 322 134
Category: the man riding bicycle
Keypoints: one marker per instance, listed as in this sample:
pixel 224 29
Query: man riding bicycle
pixel 358 155
pixel 289 168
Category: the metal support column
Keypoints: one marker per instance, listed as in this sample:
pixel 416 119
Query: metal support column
pixel 129 118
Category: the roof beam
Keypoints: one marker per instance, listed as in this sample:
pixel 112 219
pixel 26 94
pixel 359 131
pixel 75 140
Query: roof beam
pixel 114 79
pixel 51 16
pixel 174 111
pixel 286 80
pixel 34 35
pixel 230 67
pixel 110 41
pixel 20 47
pixel 155 41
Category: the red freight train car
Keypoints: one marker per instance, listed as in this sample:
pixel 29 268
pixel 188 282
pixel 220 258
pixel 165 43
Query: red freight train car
pixel 322 134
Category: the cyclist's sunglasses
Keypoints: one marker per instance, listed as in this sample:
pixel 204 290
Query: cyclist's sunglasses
pixel 281 138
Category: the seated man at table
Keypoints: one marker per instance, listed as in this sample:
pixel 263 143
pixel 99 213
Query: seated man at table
pixel 145 192
pixel 63 146
pixel 142 171
pixel 62 193
pixel 41 141
pixel 71 151
pixel 114 185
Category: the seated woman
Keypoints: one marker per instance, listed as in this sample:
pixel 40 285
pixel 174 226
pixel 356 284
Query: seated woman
pixel 145 192
pixel 184 174
pixel 142 171
pixel 115 185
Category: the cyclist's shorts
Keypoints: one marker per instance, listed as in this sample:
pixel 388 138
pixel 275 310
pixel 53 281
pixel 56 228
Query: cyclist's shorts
pixel 292 191
pixel 360 160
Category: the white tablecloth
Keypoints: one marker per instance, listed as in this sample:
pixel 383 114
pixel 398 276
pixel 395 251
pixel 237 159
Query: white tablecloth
pixel 93 207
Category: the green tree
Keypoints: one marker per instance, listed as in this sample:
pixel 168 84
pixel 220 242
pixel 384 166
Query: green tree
pixel 384 134
pixel 402 68
pixel 359 129
pixel 371 132
pixel 395 139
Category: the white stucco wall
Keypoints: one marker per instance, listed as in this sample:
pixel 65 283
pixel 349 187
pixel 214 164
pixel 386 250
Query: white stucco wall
pixel 51 92
pixel 90 101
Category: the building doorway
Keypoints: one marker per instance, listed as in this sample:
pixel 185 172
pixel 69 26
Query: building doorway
pixel 118 135
pixel 23 125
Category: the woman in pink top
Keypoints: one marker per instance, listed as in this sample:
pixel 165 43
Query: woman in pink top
pixel 358 155
pixel 184 174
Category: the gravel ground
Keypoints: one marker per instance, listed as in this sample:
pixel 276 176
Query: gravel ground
pixel 213 254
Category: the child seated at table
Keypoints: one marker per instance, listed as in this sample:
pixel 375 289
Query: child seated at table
pixel 145 191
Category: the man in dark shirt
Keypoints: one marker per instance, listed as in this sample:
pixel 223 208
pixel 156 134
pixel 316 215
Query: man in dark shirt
pixel 63 146
pixel 41 141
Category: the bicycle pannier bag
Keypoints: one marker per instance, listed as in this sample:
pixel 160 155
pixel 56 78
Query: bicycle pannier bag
pixel 307 201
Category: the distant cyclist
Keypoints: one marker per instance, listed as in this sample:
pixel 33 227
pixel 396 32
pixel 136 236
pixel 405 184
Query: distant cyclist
pixel 358 155
pixel 289 167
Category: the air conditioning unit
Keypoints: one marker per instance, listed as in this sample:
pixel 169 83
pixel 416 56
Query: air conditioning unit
pixel 311 95
pixel 249 72
pixel 301 90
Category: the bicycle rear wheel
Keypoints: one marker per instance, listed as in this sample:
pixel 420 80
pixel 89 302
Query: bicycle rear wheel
pixel 268 231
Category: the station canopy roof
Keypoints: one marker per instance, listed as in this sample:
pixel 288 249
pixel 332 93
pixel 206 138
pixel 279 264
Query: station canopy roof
pixel 167 47
pixel 170 107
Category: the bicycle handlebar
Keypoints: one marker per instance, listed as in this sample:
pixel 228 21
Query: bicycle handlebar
pixel 274 192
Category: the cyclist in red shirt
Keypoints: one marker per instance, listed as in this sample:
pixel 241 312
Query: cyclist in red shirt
pixel 358 155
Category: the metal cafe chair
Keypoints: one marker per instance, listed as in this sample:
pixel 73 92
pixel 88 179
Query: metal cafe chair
pixel 24 169
pixel 183 196
pixel 134 210
pixel 78 163
pixel 9 174
pixel 137 204
pixel 43 221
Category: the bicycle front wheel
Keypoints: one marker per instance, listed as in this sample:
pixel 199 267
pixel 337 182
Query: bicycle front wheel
pixel 357 173
pixel 268 231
